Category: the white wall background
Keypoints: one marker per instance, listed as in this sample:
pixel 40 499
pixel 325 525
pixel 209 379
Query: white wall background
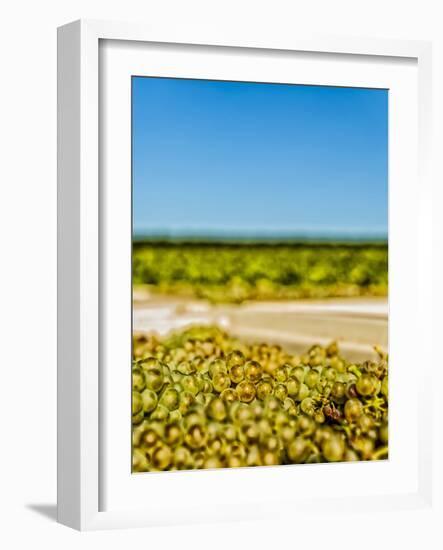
pixel 28 262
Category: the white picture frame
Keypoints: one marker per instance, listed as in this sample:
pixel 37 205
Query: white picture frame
pixel 84 258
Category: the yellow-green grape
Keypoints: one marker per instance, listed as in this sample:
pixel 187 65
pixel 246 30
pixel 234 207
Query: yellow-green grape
pixel 138 380
pixel 366 385
pixel 272 405
pixel 287 434
pixel 182 458
pixel 230 432
pixel 160 413
pixel 152 435
pixel 246 391
pixel 322 434
pixel 329 374
pixel 221 381
pixel 253 457
pixel 233 410
pixel 151 363
pixel 175 416
pixel 200 365
pixel 263 389
pixel 299 373
pixel 193 418
pixel 280 419
pixel 207 348
pixel 365 423
pixel 298 450
pixel 324 387
pixel 305 425
pixel 253 371
pixel 333 448
pixel 281 374
pixel 290 406
pixel 186 399
pixel 280 392
pixel 204 398
pixel 139 461
pixel 250 433
pixel 190 384
pixel 166 370
pixel 337 364
pixel 212 462
pixel 137 418
pixel 384 432
pixel 206 385
pixel 272 443
pixel 229 395
pixel 235 462
pixel 319 416
pixel 265 428
pixel 137 432
pixel 312 378
pixel 332 349
pixel 238 449
pixel 217 367
pixel 186 367
pixel 270 458
pixel 338 392
pixel 237 373
pixel 213 429
pixel 137 402
pixel 199 459
pixel 308 406
pixel 176 386
pixel 293 386
pixel 257 409
pixel 303 392
pixel 316 360
pixel 176 376
pixel 350 455
pixel 364 445
pixel 353 409
pixel 154 379
pixel 243 414
pixel 385 386
pixel 196 437
pixel 235 358
pixel 170 399
pixel 161 458
pixel 150 401
pixel 216 409
pixel 173 434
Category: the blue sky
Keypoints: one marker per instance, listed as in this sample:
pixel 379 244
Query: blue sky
pixel 237 158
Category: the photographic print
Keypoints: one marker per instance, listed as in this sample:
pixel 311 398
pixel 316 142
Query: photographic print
pixel 259 274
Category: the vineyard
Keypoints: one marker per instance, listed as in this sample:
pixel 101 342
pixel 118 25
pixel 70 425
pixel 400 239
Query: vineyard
pixel 236 272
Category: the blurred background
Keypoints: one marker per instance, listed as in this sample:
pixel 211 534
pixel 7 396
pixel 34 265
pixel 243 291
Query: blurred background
pixel 261 208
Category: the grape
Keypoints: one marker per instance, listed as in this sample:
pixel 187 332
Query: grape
pixel 203 400
pixel 150 401
pixel 253 371
pixel 237 373
pixel 246 391
pixel 353 409
pixel 366 384
pixel 333 448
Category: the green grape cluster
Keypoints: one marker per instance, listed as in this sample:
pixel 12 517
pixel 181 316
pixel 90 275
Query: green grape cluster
pixel 201 399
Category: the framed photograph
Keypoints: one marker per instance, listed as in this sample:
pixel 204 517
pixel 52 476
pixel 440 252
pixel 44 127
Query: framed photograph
pixel 238 327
